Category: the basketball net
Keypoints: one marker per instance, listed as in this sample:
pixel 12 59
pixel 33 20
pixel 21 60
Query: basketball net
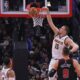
pixel 38 20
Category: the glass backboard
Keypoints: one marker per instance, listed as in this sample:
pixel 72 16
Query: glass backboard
pixel 19 8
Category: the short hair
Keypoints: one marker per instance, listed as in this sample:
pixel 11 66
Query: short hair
pixel 34 4
pixel 6 60
pixel 66 51
pixel 66 28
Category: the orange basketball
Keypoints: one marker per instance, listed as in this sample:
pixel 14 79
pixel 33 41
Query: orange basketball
pixel 33 11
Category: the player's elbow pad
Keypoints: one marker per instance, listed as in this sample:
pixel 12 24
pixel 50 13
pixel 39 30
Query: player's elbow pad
pixel 52 72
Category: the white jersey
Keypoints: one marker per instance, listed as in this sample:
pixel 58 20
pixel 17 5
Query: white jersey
pixel 4 73
pixel 57 46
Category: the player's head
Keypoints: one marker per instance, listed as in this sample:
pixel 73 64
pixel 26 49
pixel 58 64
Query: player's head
pixel 65 51
pixel 7 61
pixel 34 4
pixel 64 30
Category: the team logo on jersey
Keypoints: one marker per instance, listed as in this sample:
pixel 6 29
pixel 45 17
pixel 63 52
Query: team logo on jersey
pixel 65 65
pixel 60 42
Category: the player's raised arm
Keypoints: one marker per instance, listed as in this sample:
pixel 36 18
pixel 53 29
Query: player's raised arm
pixel 71 43
pixel 53 27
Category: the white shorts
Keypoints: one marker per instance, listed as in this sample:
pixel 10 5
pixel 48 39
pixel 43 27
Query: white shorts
pixel 52 62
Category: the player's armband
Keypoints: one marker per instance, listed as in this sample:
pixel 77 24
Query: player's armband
pixel 11 79
pixel 52 72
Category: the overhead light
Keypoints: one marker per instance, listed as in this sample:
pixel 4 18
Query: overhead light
pixel 48 4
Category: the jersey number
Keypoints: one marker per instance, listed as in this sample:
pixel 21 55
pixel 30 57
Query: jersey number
pixel 65 73
pixel 57 46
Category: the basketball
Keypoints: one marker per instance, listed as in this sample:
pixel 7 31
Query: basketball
pixel 33 11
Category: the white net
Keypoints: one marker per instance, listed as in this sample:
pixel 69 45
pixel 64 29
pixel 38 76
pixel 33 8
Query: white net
pixel 37 21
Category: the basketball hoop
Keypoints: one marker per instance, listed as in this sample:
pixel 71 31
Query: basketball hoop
pixel 33 12
pixel 38 17
pixel 36 12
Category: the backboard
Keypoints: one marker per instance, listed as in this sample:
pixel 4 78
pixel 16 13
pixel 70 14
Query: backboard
pixel 19 8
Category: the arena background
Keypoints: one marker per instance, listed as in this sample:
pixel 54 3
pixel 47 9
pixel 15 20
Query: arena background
pixel 31 53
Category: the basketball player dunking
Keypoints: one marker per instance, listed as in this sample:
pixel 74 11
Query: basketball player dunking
pixel 61 39
pixel 67 68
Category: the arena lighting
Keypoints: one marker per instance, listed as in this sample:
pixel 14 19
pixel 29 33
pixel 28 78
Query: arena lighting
pixel 48 4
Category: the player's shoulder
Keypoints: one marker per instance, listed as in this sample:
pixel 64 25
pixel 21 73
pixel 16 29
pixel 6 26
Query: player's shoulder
pixel 68 40
pixel 66 37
